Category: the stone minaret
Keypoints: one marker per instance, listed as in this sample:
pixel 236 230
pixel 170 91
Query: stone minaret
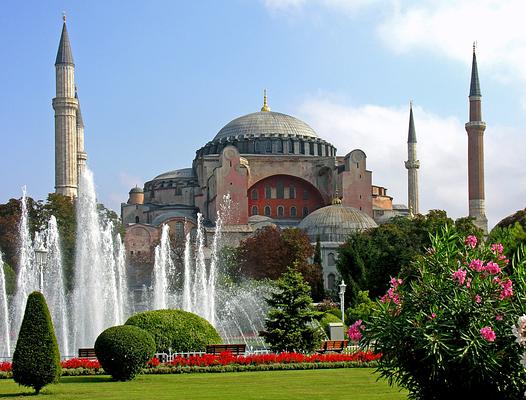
pixel 81 154
pixel 66 107
pixel 412 164
pixel 475 129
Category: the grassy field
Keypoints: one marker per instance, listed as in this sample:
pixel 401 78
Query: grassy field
pixel 345 383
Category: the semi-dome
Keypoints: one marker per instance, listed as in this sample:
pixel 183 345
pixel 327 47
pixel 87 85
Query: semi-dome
pixel 178 173
pixel 136 189
pixel 335 223
pixel 266 123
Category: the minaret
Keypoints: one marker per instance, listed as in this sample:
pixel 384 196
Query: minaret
pixel 475 129
pixel 66 107
pixel 412 165
pixel 81 154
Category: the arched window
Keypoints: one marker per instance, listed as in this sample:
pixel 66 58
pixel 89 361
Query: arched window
pixel 267 211
pixel 256 146
pixel 280 190
pixel 305 211
pixel 311 149
pixel 255 210
pixel 280 146
pixel 268 192
pixel 179 230
pixel 291 146
pixel 137 219
pixel 268 146
pixel 254 194
pixel 331 260
pixel 292 192
pixel 281 211
pixel 305 194
pixel 292 211
pixel 331 281
pixel 302 147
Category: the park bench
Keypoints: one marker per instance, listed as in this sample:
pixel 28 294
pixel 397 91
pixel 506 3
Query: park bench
pixel 336 346
pixel 235 349
pixel 87 353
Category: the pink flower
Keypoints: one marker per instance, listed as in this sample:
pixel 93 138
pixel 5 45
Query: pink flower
pixel 468 283
pixel 476 265
pixel 460 276
pixel 354 331
pixel 498 317
pixel 433 315
pixel 471 241
pixel 492 267
pixel 488 334
pixel 395 282
pixel 503 258
pixel 506 288
pixel 478 299
pixel 497 248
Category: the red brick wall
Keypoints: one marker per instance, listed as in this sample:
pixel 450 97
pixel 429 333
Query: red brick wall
pixel 313 199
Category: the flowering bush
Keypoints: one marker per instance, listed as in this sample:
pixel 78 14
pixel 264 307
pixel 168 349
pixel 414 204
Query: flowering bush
pixel 445 331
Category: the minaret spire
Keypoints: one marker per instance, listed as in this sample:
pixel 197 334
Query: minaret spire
pixel 66 108
pixel 412 164
pixel 81 154
pixel 475 129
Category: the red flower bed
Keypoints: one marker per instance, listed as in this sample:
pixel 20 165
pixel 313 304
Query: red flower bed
pixel 80 363
pixel 5 366
pixel 227 358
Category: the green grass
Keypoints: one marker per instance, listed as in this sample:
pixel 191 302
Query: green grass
pixel 344 383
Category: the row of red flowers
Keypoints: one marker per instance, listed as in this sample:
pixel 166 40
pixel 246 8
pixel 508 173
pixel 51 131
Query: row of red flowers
pixel 228 358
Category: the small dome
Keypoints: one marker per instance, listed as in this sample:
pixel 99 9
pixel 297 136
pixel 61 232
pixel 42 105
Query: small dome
pixel 266 123
pixel 136 190
pixel 178 173
pixel 335 223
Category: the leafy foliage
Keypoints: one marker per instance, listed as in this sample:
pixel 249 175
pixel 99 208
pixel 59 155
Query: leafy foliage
pixel 446 333
pixel 268 253
pixel 289 321
pixel 363 308
pixel 367 260
pixel 177 330
pixel 124 350
pixel 36 361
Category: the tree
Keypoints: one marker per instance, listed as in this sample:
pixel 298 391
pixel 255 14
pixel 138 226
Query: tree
pixel 289 321
pixel 317 252
pixel 36 361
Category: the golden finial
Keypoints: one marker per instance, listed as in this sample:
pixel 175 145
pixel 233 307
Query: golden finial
pixel 265 107
pixel 64 16
pixel 336 199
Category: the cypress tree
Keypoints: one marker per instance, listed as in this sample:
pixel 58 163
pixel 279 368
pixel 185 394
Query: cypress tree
pixel 36 361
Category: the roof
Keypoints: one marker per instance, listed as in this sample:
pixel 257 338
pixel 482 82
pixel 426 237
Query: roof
pixel 266 123
pixel 136 190
pixel 411 136
pixel 64 55
pixel 335 223
pixel 178 173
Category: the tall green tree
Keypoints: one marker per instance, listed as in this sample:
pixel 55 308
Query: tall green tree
pixel 36 361
pixel 289 321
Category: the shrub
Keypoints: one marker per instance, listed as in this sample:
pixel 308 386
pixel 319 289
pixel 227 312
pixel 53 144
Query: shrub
pixel 36 361
pixel 326 319
pixel 123 351
pixel 289 322
pixel 176 330
pixel 446 332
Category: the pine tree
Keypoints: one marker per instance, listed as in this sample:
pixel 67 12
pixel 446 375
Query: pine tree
pixel 289 322
pixel 36 361
pixel 317 252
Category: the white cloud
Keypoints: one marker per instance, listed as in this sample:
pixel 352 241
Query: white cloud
pixel 442 149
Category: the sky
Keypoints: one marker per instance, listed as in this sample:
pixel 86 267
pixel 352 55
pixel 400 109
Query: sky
pixel 158 79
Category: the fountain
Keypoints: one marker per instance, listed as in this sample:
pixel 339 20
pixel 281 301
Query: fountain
pixel 99 292
pixel 236 311
pixel 5 345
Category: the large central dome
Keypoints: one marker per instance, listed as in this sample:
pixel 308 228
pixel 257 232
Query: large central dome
pixel 266 123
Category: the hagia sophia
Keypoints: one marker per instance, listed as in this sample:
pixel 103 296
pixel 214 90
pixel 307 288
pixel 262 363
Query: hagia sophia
pixel 273 167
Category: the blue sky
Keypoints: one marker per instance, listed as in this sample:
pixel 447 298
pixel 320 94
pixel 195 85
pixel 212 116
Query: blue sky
pixel 158 79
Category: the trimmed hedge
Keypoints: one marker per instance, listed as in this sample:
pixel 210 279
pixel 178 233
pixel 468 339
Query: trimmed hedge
pixel 123 351
pixel 177 330
pixel 327 318
pixel 36 361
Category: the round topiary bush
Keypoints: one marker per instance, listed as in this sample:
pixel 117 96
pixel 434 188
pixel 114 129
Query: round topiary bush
pixel 124 350
pixel 36 361
pixel 176 330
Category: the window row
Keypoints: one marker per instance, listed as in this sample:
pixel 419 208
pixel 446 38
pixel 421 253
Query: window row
pixel 279 192
pixel 280 211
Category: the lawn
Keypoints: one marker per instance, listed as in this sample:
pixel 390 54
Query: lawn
pixel 344 383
